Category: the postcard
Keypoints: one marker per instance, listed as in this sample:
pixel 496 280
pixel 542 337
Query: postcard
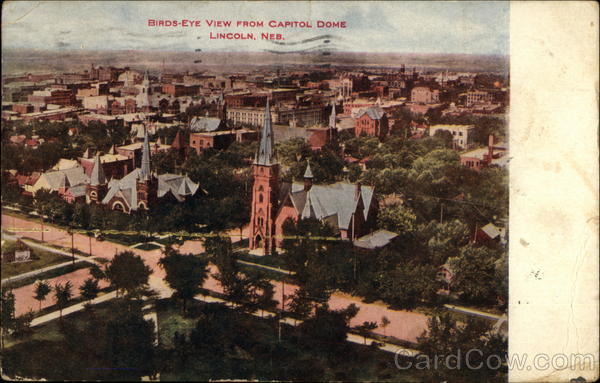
pixel 300 191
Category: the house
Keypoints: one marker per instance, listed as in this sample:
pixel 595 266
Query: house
pixel 490 233
pixel 61 181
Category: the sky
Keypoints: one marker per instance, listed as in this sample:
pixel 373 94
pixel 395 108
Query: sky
pixel 380 27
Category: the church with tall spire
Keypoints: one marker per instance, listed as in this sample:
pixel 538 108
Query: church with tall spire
pixel 265 191
pixel 350 209
pixel 141 188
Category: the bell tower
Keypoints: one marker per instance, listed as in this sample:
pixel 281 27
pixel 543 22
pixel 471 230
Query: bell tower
pixel 97 188
pixel 265 191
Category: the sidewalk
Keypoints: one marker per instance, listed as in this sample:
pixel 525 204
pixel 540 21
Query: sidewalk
pixel 468 311
pixel 71 309
pixel 49 249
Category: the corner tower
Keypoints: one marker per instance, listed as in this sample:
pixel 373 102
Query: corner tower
pixel 265 191
pixel 97 188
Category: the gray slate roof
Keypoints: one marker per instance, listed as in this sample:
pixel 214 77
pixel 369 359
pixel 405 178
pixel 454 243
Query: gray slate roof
pixel 375 240
pixel 374 113
pixel 326 202
pixel 178 185
pixel 66 177
pixel 205 124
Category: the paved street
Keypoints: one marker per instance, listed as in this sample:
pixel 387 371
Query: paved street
pixel 404 324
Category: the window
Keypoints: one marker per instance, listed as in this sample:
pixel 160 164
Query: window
pixel 260 198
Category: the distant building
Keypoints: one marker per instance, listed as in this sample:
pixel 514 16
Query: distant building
pixel 114 165
pixel 371 122
pixel 475 97
pixel 304 116
pixel 424 95
pixel 462 135
pixel 492 155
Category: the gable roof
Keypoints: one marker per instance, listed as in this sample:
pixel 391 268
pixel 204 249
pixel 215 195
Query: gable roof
pixel 205 124
pixel 66 177
pixel 325 201
pixel 374 113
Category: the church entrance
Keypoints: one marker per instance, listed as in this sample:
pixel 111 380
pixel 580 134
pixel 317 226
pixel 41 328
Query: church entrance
pixel 258 242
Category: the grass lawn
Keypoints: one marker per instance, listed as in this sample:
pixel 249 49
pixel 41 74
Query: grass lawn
pixel 48 274
pixel 44 259
pixel 148 246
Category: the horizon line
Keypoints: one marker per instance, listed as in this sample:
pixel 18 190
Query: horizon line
pixel 253 52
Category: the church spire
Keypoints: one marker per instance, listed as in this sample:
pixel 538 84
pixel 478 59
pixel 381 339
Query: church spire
pixel 145 169
pixel 332 116
pixel 98 177
pixel 266 151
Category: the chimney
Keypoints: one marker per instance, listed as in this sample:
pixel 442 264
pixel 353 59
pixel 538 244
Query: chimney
pixel 490 147
pixel 357 191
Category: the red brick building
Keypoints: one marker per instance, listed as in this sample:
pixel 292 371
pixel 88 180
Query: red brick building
pixel 371 122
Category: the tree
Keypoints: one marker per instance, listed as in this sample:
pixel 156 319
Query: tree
pixel 365 329
pixel 62 295
pixel 23 324
pixel 129 340
pixel 408 284
pixel 397 218
pixel 260 291
pixel 89 289
pixel 384 323
pixel 474 274
pixel 300 304
pixel 42 289
pixel 8 313
pixel 326 329
pixel 446 239
pixel 445 336
pixel 128 272
pixel 184 273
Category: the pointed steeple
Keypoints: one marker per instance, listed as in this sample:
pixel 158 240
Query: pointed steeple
pixel 266 151
pixel 308 172
pixel 98 177
pixel 332 123
pixel 308 176
pixel 145 169
pixel 112 150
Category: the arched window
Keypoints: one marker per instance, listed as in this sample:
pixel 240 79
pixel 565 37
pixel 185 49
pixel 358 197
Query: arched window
pixel 260 198
pixel 118 206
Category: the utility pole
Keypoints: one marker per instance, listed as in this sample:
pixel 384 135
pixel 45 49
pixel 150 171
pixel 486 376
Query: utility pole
pixel 42 227
pixel 441 213
pixel 72 246
pixel 282 307
pixel 90 237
